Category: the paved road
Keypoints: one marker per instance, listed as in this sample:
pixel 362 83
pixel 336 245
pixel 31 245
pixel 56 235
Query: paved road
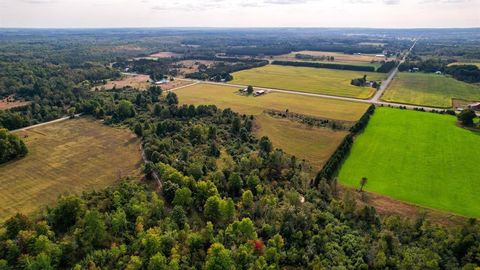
pixel 390 77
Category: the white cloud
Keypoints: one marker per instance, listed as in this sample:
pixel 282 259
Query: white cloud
pixel 239 13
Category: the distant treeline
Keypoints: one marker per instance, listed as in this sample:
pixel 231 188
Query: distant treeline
pixel 387 67
pixel 324 65
pixel 285 49
pixel 466 73
pixel 222 71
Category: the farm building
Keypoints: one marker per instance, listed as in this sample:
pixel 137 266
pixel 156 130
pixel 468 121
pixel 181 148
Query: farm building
pixel 163 81
pixel 474 106
pixel 259 93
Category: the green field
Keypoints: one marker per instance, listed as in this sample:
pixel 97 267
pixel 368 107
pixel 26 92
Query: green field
pixel 313 144
pixel 417 157
pixel 429 90
pixel 228 97
pixel 66 157
pixel 305 79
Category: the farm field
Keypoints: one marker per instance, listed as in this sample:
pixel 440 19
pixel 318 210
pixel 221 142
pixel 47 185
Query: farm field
pixel 313 144
pixel 420 158
pixel 476 63
pixel 305 79
pixel 66 157
pixel 429 90
pixel 141 82
pixel 340 58
pixel 228 97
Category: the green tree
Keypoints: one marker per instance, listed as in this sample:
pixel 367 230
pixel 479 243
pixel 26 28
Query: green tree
pixel 218 258
pixel 466 117
pixel 172 98
pixel 250 89
pixel 94 230
pixel 158 262
pixel 363 182
pixel 183 197
pixel 67 212
pixel 138 130
pixel 265 145
pixel 235 183
pixel 125 110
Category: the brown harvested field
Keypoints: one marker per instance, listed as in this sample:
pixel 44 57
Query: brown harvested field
pixel 461 103
pixel 175 84
pixel 228 97
pixel 140 82
pixel 309 143
pixel 66 157
pixel 191 66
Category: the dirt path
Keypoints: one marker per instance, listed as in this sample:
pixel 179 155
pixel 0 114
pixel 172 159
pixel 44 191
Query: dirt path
pixel 386 206
pixel 45 123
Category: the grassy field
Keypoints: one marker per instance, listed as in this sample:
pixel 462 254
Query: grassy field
pixel 476 63
pixel 313 144
pixel 429 90
pixel 141 82
pixel 305 79
pixel 417 157
pixel 228 97
pixel 66 157
pixel 340 58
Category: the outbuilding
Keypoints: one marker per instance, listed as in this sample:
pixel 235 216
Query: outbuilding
pixel 474 106
pixel 259 93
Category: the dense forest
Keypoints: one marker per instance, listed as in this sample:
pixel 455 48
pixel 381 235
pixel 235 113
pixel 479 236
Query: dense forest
pixel 11 146
pixel 226 201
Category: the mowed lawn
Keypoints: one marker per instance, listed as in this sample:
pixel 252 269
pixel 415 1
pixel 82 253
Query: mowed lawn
pixel 417 157
pixel 305 79
pixel 313 144
pixel 429 90
pixel 228 97
pixel 66 157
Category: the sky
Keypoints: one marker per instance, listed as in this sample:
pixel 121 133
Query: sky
pixel 239 13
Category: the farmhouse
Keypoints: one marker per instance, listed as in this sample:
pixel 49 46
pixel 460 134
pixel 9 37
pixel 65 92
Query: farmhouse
pixel 474 106
pixel 163 81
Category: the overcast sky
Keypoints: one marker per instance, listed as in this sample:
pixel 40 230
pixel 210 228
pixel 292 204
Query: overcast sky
pixel 240 13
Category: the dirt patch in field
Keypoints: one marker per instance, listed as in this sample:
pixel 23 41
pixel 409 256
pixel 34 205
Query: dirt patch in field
pixel 10 102
pixel 165 55
pixel 140 82
pixel 174 84
pixel 386 206
pixel 461 103
pixel 190 66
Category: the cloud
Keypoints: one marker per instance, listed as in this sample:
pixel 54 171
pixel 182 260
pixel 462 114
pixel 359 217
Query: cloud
pixel 442 1
pixel 38 1
pixel 391 2
pixel 285 2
